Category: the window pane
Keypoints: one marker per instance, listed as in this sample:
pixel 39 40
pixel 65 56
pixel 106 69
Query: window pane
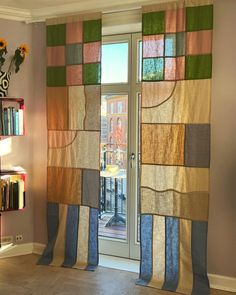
pixel 139 170
pixel 113 201
pixel 139 61
pixel 115 63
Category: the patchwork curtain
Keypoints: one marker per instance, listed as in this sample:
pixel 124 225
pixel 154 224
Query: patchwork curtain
pixel 175 145
pixel 73 121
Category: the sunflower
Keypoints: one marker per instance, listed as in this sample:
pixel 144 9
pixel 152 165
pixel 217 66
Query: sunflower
pixel 3 44
pixel 24 49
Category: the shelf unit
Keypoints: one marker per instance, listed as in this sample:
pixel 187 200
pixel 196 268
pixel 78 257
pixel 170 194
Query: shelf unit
pixel 12 182
pixel 12 117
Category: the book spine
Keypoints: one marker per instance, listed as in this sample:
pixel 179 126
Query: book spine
pixel 1 120
pixel 8 121
pixel 5 121
pixel 13 121
pixel 21 186
pixel 1 192
pixel 15 195
pixel 21 122
pixel 17 122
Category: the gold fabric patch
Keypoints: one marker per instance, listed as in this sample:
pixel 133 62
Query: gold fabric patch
pixel 162 144
pixel 64 185
pixel 57 108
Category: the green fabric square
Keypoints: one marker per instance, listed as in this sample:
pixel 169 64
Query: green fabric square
pixel 153 69
pixel 92 30
pixel 198 67
pixel 91 74
pixel 56 35
pixel 74 54
pixel 199 18
pixel 180 44
pixel 153 23
pixel 56 76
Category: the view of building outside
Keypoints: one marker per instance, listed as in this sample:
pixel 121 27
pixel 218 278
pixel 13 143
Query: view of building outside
pixel 114 130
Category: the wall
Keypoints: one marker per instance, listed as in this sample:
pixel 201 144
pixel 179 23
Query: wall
pixel 32 148
pixel 222 220
pixel 40 133
pixel 21 85
pixel 29 151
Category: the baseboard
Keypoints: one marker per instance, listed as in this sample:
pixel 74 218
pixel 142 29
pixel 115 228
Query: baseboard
pixel 16 250
pixel 216 281
pixel 222 282
pixel 38 248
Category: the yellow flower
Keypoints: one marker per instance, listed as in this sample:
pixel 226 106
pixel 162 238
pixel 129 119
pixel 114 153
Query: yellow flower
pixel 24 48
pixel 3 43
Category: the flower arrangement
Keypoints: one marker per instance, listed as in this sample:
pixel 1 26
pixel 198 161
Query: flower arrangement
pixel 17 59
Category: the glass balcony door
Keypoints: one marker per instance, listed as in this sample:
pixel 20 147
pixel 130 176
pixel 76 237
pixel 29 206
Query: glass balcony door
pixel 118 218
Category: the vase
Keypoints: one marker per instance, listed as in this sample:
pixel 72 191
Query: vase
pixel 4 83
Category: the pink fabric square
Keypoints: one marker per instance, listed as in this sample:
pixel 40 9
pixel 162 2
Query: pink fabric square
pixel 74 75
pixel 175 20
pixel 199 42
pixel 56 56
pixel 92 52
pixel 74 32
pixel 174 68
pixel 153 46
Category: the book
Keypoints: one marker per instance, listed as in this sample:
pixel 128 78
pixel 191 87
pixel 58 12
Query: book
pixel 21 122
pixel 16 122
pixel 8 121
pixel 13 114
pixel 5 120
pixel 21 193
pixel 15 192
pixel 1 120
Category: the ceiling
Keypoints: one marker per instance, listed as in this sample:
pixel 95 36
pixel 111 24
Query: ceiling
pixel 35 4
pixel 39 10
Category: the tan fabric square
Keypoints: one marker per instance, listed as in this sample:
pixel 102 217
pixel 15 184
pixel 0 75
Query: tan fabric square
pixel 57 108
pixel 76 107
pixel 189 102
pixel 93 103
pixel 162 144
pixel 60 139
pixel 64 185
pixel 83 152
pixel 181 179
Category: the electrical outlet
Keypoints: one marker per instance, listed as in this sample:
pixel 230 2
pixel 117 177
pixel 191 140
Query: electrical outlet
pixel 19 238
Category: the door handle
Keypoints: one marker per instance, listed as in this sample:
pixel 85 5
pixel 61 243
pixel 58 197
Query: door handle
pixel 131 159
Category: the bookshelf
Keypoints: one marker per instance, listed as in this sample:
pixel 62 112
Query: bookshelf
pixel 12 182
pixel 11 116
pixel 12 189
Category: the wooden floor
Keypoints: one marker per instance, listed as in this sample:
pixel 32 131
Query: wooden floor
pixel 21 276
